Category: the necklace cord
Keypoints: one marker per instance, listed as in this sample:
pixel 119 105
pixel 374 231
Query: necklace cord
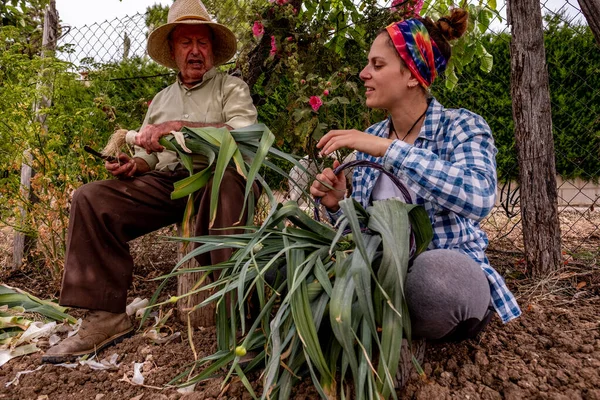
pixel 411 128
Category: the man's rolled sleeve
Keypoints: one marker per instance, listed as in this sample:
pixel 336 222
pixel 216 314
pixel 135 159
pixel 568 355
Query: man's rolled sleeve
pixel 151 159
pixel 238 109
pixel 140 152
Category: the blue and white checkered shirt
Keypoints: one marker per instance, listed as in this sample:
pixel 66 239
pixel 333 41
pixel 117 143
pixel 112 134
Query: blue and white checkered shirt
pixel 452 170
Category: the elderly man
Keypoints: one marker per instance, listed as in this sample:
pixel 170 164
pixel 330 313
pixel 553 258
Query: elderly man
pixel 105 215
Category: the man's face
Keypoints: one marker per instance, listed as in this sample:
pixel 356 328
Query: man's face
pixel 191 48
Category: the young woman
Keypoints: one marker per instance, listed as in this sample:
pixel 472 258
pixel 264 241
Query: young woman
pixel 446 158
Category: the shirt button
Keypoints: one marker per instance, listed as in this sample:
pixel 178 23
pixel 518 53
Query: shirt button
pixel 188 94
pixel 186 116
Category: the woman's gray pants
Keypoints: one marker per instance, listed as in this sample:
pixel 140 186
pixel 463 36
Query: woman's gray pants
pixel 448 296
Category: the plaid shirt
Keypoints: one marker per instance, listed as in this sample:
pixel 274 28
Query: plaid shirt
pixel 452 170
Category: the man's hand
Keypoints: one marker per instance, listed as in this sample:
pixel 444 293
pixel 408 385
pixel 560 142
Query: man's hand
pixel 127 167
pixel 355 140
pixel 149 136
pixel 330 197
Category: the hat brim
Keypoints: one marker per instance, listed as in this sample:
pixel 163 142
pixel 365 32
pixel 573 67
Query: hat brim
pixel 224 43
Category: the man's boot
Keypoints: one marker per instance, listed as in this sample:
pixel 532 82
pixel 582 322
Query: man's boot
pixel 99 329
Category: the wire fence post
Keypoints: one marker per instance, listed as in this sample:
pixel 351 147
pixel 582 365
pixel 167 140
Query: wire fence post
pixel 24 241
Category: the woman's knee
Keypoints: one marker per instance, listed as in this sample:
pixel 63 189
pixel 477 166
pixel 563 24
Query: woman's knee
pixel 447 282
pixel 445 271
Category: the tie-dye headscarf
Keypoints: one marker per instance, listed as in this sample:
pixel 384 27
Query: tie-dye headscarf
pixel 418 51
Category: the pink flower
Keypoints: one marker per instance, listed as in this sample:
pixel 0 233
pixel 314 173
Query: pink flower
pixel 408 6
pixel 325 92
pixel 258 29
pixel 315 102
pixel 281 2
pixel 303 82
pixel 273 46
pixel 289 38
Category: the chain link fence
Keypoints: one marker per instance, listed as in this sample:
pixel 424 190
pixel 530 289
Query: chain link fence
pixel 111 45
pixel 575 126
pixel 104 42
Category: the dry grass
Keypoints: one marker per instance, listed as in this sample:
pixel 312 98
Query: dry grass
pixel 6 246
pixel 573 282
pixel 580 233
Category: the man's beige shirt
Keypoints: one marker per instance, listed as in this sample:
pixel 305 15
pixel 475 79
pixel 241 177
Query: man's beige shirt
pixel 219 98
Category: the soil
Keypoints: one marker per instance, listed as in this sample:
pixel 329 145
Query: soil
pixel 551 352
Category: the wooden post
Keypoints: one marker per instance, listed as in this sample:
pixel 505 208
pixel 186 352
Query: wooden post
pixel 533 134
pixel 204 316
pixel 22 241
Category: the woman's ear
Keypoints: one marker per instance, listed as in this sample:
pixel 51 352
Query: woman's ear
pixel 412 81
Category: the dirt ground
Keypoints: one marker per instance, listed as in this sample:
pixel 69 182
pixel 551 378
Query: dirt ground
pixel 551 352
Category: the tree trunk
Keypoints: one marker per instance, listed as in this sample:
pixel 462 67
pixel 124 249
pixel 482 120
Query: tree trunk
pixel 591 11
pixel 533 134
pixel 23 242
pixel 204 316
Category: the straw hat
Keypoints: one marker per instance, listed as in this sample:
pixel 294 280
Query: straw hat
pixel 190 12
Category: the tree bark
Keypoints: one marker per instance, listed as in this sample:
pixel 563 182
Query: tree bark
pixel 533 134
pixel 591 11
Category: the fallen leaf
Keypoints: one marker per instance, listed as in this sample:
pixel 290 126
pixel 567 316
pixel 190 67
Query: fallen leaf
pixel 186 389
pixel 36 331
pixel 7 355
pixel 16 380
pixel 136 306
pixel 566 275
pixel 138 378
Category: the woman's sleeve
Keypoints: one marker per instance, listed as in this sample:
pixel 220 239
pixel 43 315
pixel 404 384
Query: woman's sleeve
pixel 462 178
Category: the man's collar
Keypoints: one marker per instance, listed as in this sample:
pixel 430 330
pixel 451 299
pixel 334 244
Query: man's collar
pixel 211 73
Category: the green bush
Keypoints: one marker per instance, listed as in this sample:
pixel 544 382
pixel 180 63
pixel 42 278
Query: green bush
pixel 82 112
pixel 573 66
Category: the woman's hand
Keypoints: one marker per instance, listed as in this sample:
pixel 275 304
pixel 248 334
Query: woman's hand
pixel 330 197
pixel 355 140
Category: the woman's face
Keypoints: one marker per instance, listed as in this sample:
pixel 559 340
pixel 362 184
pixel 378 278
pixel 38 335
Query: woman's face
pixel 386 78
